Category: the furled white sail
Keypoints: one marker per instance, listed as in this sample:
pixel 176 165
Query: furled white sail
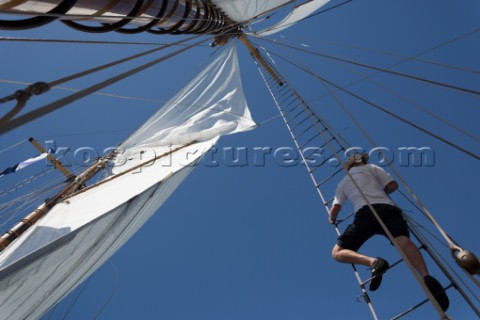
pixel 81 232
pixel 244 10
pixel 300 12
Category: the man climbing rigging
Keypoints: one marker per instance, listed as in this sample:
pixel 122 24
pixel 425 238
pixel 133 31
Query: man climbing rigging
pixel 375 185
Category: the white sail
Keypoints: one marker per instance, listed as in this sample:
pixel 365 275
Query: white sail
pixel 244 10
pixel 300 12
pixel 81 232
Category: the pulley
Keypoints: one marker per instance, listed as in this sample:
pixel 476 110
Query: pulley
pixel 468 261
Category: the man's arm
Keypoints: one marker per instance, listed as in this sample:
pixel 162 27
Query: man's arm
pixel 390 187
pixel 334 211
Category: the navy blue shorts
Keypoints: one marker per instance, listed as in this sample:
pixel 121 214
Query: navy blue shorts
pixel 365 225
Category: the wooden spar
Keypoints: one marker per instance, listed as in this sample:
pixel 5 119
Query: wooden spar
pixel 258 57
pixel 56 163
pixel 75 185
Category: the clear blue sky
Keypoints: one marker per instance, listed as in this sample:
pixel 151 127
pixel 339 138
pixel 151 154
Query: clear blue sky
pixel 253 242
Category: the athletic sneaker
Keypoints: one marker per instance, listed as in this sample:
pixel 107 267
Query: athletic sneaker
pixel 379 267
pixel 437 291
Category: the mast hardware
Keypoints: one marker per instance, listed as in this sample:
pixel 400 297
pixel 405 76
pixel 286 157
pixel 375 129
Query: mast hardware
pixel 22 97
pixel 258 57
pixel 55 162
pixel 468 261
pixel 36 88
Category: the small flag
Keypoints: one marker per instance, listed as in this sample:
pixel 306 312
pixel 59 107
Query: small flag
pixel 23 164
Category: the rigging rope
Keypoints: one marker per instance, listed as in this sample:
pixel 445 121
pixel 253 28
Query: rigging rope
pixel 409 101
pixel 112 293
pixel 46 40
pixel 35 114
pixel 326 10
pixel 418 127
pixel 409 58
pixel 13 146
pixel 384 70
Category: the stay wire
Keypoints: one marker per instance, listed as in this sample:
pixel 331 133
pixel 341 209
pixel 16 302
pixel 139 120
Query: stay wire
pixel 410 102
pixel 326 10
pixel 383 70
pixel 405 59
pixel 13 146
pixel 35 114
pixel 376 106
pixel 112 293
pixel 74 299
pixel 77 41
pixel 410 58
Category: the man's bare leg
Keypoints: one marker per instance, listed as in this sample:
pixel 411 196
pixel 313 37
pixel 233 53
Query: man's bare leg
pixel 413 254
pixel 349 256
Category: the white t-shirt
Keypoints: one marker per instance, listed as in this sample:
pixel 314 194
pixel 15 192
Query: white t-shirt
pixel 371 179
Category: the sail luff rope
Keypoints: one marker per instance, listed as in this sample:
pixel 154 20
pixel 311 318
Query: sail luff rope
pixel 376 106
pixel 35 114
pixel 74 299
pixel 384 70
pixel 112 293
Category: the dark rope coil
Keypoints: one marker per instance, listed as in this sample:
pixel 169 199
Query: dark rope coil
pixel 207 19
pixel 107 27
pixel 174 29
pixel 39 21
pixel 149 25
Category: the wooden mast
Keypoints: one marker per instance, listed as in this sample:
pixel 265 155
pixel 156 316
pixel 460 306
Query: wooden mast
pixel 76 184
